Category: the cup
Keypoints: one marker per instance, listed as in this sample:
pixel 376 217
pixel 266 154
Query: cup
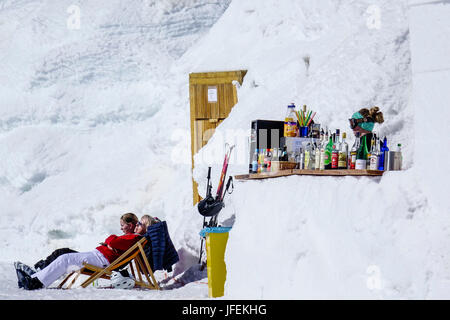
pixel 303 131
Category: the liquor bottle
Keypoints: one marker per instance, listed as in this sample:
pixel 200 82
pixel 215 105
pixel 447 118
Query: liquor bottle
pixel 400 157
pixel 374 155
pixel 284 155
pixel 300 159
pixel 336 149
pixel 353 151
pixel 261 161
pixel 384 148
pixel 308 154
pixel 328 152
pixel 317 155
pixel 322 151
pixel 312 156
pixel 290 123
pixel 255 162
pixel 276 154
pixel 343 153
pixel 361 155
pixel 318 150
pixel 269 160
pixel 369 148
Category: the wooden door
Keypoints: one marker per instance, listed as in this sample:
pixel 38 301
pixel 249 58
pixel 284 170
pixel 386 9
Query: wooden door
pixel 212 96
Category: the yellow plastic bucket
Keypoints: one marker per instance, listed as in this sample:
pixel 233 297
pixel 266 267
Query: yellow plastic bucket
pixel 216 243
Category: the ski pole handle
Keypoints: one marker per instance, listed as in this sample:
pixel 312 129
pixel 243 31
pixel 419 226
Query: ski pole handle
pixel 230 179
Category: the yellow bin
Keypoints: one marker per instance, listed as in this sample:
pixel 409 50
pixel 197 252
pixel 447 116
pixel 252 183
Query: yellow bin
pixel 216 243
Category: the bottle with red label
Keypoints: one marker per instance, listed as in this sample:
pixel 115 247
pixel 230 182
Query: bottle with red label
pixel 336 149
pixel 353 152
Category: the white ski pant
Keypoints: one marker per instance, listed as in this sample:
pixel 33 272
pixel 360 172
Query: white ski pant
pixel 69 262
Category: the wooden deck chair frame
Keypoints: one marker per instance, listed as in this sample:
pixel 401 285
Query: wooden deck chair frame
pixel 134 256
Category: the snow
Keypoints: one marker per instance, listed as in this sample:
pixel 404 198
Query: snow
pixel 94 122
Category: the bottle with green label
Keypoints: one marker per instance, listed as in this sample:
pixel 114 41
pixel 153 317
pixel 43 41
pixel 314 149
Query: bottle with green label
pixel 328 153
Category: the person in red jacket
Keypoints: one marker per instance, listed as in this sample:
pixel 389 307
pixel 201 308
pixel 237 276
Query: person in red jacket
pixel 102 256
pixel 128 223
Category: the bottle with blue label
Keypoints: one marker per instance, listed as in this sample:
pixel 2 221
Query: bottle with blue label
pixel 384 148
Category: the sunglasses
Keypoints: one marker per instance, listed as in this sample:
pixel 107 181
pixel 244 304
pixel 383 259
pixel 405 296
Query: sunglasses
pixel 139 224
pixel 354 122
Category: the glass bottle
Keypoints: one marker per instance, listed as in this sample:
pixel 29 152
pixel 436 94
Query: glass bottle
pixel 327 154
pixel 312 160
pixel 317 155
pixel 255 162
pixel 284 155
pixel 300 159
pixel 336 149
pixel 361 155
pixel 308 154
pixel 374 155
pixel 322 151
pixel 261 160
pixel 269 159
pixel 353 151
pixel 343 153
pixel 400 157
pixel 318 150
pixel 384 148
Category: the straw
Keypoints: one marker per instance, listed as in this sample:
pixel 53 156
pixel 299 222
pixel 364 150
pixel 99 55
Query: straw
pixel 298 117
pixel 307 118
pixel 310 120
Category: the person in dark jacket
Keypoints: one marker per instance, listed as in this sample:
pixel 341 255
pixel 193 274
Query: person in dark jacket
pixel 160 251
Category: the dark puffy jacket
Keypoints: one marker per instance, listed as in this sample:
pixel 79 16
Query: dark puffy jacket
pixel 160 251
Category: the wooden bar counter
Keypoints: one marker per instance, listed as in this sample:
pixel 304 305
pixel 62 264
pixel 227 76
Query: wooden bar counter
pixel 290 172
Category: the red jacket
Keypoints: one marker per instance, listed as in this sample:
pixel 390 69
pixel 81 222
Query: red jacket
pixel 120 244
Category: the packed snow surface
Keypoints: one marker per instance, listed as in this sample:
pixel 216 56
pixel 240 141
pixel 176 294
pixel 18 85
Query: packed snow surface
pixel 94 122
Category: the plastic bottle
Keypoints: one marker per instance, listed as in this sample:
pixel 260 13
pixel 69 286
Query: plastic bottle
pixel 255 162
pixel 290 122
pixel 384 148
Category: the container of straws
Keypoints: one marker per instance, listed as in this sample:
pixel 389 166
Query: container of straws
pixel 304 118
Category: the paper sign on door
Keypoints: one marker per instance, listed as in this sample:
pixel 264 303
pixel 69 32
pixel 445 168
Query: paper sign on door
pixel 212 94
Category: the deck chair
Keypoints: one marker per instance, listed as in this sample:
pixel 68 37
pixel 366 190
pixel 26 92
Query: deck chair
pixel 134 257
